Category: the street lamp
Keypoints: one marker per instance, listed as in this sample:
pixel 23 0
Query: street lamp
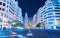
pixel 13 23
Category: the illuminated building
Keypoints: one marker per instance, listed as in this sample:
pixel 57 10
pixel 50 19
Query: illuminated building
pixel 50 13
pixel 8 11
pixel 39 16
pixel 19 14
pixel 34 20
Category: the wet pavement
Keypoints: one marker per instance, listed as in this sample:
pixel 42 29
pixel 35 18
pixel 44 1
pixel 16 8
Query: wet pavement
pixel 41 33
pixel 10 34
pixel 37 33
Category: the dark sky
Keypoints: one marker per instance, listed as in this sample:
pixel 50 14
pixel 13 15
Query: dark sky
pixel 30 6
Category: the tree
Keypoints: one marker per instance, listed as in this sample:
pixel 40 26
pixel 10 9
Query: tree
pixel 16 23
pixel 29 25
pixel 39 25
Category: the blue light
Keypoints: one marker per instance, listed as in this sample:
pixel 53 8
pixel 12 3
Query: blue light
pixel 20 27
pixel 59 1
pixel 54 27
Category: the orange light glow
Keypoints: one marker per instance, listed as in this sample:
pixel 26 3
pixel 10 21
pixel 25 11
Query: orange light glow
pixel 5 24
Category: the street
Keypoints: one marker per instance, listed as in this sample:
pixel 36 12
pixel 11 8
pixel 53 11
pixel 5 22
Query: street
pixel 9 34
pixel 29 18
pixel 37 33
pixel 41 33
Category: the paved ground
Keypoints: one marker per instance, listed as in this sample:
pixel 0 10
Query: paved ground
pixel 41 33
pixel 10 34
pixel 37 33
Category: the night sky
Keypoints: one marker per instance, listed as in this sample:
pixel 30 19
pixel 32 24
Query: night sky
pixel 30 6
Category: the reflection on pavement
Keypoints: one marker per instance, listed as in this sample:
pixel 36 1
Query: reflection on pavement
pixel 13 36
pixel 14 33
pixel 10 34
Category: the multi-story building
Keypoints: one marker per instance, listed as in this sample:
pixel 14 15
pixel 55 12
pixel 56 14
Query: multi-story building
pixel 35 20
pixel 50 13
pixel 39 16
pixel 8 11
pixel 19 14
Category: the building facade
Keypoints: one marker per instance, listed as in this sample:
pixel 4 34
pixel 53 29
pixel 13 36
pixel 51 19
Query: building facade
pixel 34 20
pixel 19 14
pixel 8 11
pixel 39 16
pixel 50 13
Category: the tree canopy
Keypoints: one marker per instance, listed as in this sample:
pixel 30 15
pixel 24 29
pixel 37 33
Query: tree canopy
pixel 39 25
pixel 16 23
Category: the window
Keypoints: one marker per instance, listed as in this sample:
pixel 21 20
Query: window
pixel 49 8
pixel 7 11
pixel 0 8
pixel 50 22
pixel 7 2
pixel 57 7
pixel 9 22
pixel 3 4
pixel 0 20
pixel 4 15
pixel 1 14
pixel 57 16
pixel 53 11
pixel 50 14
pixel 3 9
pixel 0 3
pixel 11 11
pixel 57 13
pixel 7 16
pixel 7 6
pixel 4 0
pixel 51 17
pixel 57 19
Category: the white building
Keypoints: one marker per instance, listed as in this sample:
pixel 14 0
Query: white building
pixel 19 14
pixel 34 20
pixel 39 16
pixel 50 13
pixel 8 11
